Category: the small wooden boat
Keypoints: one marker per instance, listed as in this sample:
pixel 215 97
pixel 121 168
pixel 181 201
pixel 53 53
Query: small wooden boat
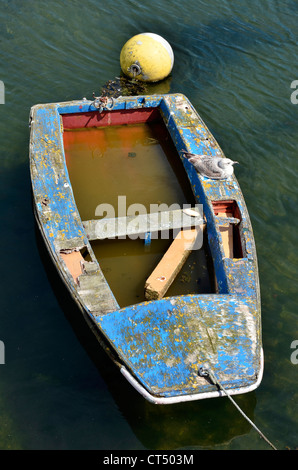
pixel 161 342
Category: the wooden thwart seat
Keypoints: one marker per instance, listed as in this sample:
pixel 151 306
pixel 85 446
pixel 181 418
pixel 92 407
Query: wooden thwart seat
pixel 139 225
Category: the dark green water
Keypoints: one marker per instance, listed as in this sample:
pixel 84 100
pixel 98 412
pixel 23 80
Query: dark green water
pixel 235 61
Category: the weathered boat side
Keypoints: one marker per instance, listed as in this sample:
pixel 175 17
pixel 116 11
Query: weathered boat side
pixel 57 214
pixel 160 344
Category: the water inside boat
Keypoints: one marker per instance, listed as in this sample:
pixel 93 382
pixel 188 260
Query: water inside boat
pixel 114 167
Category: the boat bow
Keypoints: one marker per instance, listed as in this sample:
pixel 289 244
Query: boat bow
pixel 163 345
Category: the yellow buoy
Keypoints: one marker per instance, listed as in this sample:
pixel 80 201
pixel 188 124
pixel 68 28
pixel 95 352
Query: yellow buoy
pixel 147 57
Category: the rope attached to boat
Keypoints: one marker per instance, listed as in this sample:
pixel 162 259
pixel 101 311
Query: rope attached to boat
pixel 103 103
pixel 205 371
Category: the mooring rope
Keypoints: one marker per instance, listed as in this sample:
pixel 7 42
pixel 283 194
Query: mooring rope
pixel 205 371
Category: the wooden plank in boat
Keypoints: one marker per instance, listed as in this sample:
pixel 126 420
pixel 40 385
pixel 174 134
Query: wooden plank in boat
pixel 143 223
pixel 171 263
pixel 226 231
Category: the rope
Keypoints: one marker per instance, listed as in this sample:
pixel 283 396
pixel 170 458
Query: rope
pixel 102 102
pixel 205 371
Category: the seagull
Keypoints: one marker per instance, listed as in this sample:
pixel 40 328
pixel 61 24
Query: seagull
pixel 212 167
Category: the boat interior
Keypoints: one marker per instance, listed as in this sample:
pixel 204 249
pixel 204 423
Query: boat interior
pixel 125 164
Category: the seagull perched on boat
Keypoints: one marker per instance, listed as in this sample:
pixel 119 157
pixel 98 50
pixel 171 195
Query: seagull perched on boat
pixel 212 167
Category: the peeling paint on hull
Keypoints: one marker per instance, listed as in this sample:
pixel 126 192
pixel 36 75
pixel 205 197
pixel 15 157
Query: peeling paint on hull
pixel 158 345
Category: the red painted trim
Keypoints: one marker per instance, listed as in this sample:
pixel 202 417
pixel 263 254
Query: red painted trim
pixel 226 207
pixel 110 118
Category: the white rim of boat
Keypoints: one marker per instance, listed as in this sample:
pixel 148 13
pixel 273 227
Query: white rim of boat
pixel 190 397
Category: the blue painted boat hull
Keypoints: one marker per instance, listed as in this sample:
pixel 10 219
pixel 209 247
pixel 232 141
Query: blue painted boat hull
pixel 158 345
